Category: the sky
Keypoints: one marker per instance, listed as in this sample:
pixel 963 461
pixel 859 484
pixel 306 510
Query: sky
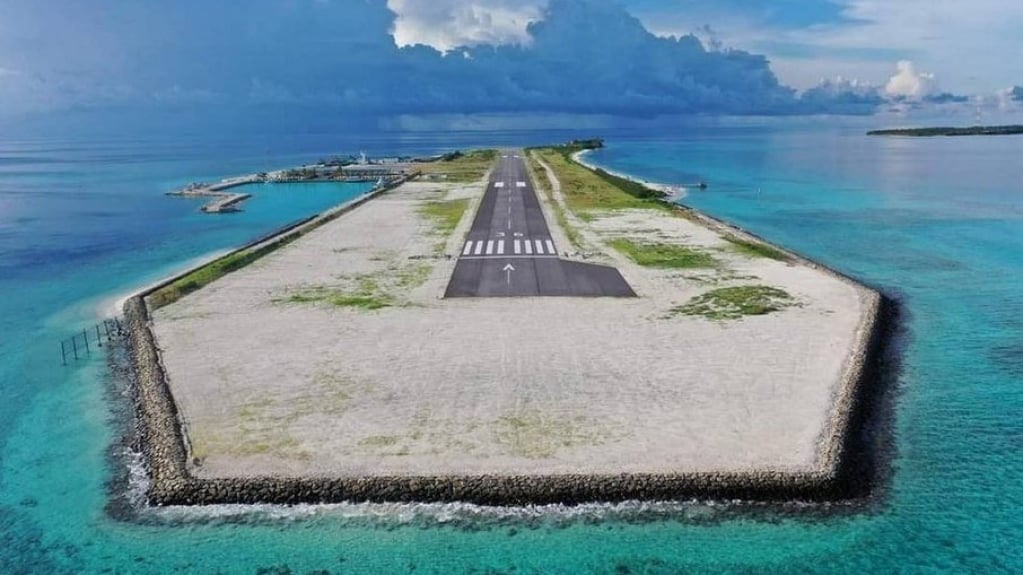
pixel 634 58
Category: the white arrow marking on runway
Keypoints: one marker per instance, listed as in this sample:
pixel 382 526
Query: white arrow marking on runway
pixel 499 184
pixel 500 234
pixel 518 235
pixel 509 269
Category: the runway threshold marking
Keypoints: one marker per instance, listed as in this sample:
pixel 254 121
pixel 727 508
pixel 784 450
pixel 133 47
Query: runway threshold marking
pixel 490 247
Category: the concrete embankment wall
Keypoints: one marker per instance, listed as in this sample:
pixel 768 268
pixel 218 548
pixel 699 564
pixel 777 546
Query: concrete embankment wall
pixel 166 450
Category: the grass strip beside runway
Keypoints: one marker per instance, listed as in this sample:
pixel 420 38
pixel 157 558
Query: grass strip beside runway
pixel 587 191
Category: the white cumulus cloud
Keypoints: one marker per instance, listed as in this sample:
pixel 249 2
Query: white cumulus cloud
pixel 909 83
pixel 446 24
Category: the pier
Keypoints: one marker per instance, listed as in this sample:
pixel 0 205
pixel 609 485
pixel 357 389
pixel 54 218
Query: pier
pixel 225 203
pixel 222 200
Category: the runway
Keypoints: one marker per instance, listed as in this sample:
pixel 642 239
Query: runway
pixel 510 252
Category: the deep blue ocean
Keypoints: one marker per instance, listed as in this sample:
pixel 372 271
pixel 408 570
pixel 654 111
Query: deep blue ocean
pixel 937 222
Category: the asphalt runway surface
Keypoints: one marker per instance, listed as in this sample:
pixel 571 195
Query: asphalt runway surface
pixel 510 252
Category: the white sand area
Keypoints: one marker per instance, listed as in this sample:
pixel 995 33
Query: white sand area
pixel 267 384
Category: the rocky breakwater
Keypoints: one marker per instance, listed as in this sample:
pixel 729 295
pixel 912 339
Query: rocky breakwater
pixel 162 439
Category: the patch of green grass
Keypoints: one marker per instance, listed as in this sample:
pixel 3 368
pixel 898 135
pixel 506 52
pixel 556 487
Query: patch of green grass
pixel 736 302
pixel 665 256
pixel 378 441
pixel 367 292
pixel 757 250
pixel 413 276
pixel 537 435
pixel 460 167
pixel 368 301
pixel 445 215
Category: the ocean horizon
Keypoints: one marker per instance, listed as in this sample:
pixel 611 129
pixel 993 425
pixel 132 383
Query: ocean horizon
pixel 936 223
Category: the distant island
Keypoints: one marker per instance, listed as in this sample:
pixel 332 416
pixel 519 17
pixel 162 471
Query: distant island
pixel 946 131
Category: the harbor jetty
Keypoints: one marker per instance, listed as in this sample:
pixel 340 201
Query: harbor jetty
pixel 223 200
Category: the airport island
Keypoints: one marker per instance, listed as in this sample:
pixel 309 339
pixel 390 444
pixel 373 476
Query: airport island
pixel 504 327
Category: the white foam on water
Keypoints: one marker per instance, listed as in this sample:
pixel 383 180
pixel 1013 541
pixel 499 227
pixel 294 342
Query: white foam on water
pixel 436 513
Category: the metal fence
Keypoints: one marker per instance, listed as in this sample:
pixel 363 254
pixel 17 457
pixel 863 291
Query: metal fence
pixel 81 345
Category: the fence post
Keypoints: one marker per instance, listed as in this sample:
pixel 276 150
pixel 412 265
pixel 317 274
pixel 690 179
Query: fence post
pixel 85 336
pixel 99 341
pixel 63 354
pixel 74 343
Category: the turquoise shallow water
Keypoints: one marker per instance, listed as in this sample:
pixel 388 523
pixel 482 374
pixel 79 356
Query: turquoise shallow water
pixel 940 222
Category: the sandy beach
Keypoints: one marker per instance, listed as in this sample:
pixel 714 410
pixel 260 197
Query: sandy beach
pixel 272 376
pixel 675 192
